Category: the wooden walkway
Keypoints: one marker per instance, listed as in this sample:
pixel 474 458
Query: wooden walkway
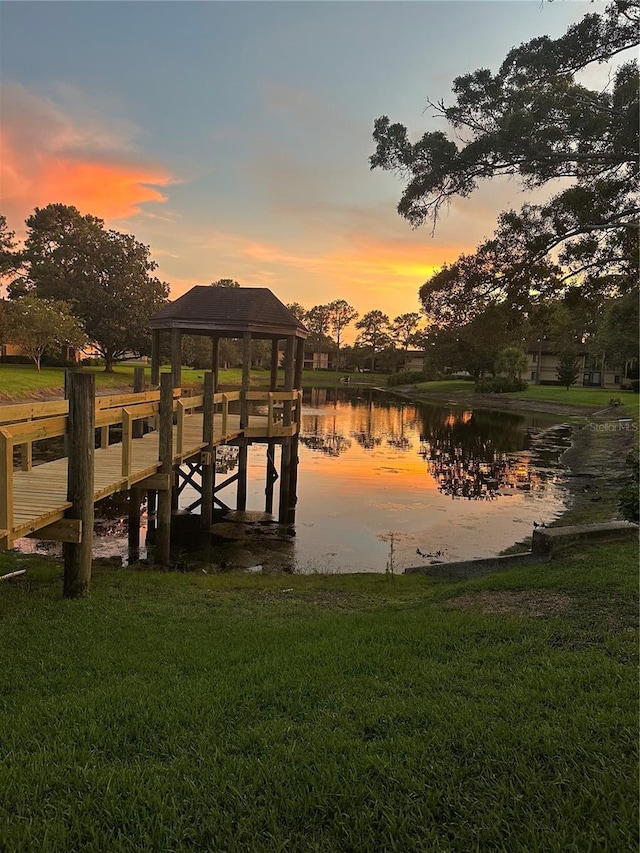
pixel 33 499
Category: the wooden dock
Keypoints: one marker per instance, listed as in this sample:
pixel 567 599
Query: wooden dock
pixel 34 497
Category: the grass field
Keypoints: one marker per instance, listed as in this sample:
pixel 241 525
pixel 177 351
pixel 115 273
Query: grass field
pixel 323 713
pixel 587 397
pixel 23 380
pixel 593 397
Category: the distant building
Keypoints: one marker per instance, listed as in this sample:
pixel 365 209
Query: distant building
pixel 544 357
pixel 12 352
pixel 325 359
pixel 415 360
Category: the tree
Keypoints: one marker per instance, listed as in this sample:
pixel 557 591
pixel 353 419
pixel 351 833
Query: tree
pixel 225 282
pixel 42 326
pixel 511 361
pixel 340 315
pixel 534 120
pixel 617 333
pixel 317 321
pixel 374 333
pixel 105 275
pixel 404 328
pixel 9 256
pixel 297 310
pixel 568 368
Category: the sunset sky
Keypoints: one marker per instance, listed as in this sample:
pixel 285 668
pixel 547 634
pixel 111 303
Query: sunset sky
pixel 234 137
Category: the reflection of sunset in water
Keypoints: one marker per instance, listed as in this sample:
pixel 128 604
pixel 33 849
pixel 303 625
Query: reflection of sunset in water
pixel 461 484
pixel 436 482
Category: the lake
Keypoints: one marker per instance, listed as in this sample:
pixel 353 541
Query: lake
pixel 383 480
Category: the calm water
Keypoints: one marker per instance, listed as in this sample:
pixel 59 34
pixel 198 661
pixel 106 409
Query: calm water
pixel 434 481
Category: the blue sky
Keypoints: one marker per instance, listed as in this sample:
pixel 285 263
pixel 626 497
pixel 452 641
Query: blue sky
pixel 234 137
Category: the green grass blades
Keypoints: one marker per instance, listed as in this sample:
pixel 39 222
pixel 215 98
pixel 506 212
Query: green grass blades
pixel 321 713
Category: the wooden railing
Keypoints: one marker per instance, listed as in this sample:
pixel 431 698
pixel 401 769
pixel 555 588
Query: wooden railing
pixel 23 425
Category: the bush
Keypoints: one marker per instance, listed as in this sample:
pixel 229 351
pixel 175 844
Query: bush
pixel 406 377
pixel 500 385
pixel 16 359
pixel 635 385
pixel 628 497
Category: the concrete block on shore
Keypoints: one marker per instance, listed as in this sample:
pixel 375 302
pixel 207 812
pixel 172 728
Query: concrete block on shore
pixel 548 541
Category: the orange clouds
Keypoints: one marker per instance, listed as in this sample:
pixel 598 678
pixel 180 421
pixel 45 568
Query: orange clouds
pixel 48 157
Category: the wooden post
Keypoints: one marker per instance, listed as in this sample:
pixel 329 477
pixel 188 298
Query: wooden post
pixel 288 381
pixel 241 496
pixel 176 357
pixel 65 439
pixel 155 357
pixel 152 509
pixel 135 497
pixel 285 481
pixel 80 479
pixel 297 379
pixel 246 369
pixel 289 357
pixel 163 530
pixel 293 480
pixel 6 479
pixel 175 490
pixel 138 388
pixel 270 479
pixel 206 508
pixel 273 384
pixel 215 361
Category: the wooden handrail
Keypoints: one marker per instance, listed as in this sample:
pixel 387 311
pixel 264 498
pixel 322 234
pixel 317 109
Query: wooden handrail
pixel 32 411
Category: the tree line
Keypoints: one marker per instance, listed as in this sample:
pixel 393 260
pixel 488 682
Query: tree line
pixel 76 283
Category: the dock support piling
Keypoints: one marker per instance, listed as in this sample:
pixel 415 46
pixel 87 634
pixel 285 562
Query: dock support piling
pixel 80 480
pixel 163 532
pixel 285 481
pixel 208 469
pixel 272 476
pixel 241 499
pixel 135 499
pixel 293 480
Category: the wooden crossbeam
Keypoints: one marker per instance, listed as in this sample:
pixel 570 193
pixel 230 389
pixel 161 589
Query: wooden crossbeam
pixel 64 530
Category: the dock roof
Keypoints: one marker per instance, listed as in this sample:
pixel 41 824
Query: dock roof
pixel 229 312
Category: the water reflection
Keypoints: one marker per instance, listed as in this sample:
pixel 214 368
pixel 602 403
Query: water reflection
pixel 471 454
pixel 437 482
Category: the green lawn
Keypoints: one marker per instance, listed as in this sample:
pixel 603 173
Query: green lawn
pixel 23 380
pixel 591 397
pixel 324 713
pixel 447 387
pixel 588 397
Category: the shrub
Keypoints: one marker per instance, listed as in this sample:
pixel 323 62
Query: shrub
pixel 500 385
pixel 16 359
pixel 406 377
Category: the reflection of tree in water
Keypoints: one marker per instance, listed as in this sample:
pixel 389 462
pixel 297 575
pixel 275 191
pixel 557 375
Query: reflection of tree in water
pixel 367 440
pixel 384 422
pixel 226 459
pixel 364 414
pixel 318 435
pixel 330 444
pixel 112 514
pixel 469 454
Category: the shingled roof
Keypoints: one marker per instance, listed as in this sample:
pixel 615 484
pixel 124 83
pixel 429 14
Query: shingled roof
pixel 229 311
